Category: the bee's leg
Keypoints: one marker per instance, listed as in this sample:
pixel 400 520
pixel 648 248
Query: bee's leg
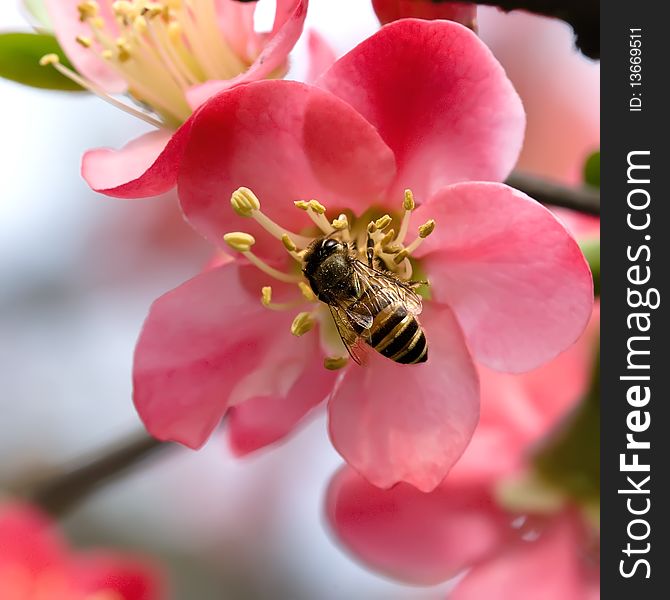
pixel 416 284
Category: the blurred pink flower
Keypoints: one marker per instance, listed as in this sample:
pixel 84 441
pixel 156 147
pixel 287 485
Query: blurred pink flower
pixel 392 10
pixel 510 287
pixel 36 564
pixel 430 538
pixel 169 57
pixel 563 127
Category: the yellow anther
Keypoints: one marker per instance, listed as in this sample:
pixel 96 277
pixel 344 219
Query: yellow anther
pixel 84 41
pixel 124 49
pixel 153 9
pixel 301 204
pixel 123 8
pixel 333 363
pixel 140 25
pixel 49 59
pixel 240 241
pixel 408 203
pixel 307 292
pixel 266 295
pixel 392 248
pixel 288 243
pixel 97 23
pixel 244 202
pixel 88 10
pixel 383 222
pixel 426 229
pixel 107 54
pixel 340 223
pixel 388 237
pixel 174 31
pixel 303 323
pixel 402 255
pixel 317 207
pixel 372 227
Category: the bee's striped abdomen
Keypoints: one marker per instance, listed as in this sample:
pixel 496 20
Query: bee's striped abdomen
pixel 396 334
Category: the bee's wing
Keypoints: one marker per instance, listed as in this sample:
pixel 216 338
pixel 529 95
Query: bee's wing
pixel 353 342
pixel 383 289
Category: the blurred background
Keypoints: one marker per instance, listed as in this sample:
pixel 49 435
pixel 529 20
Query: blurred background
pixel 78 272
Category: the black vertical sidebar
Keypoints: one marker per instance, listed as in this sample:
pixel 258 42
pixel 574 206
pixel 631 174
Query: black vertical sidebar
pixel 635 269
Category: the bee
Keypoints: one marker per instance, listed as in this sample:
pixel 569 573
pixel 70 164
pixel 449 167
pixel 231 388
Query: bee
pixel 369 306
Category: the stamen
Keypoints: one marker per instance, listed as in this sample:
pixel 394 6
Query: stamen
pixel 84 41
pixel 288 243
pixel 341 223
pixel 242 242
pixel 316 212
pixel 383 222
pixel 303 323
pixel 54 61
pixel 424 231
pixel 388 238
pixel 246 204
pixel 88 10
pixel 333 363
pixel 307 292
pixel 266 300
pixel 402 255
pixel 409 205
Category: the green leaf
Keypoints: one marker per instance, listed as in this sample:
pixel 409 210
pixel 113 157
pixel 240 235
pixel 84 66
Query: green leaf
pixel 591 250
pixel 569 459
pixel 38 13
pixel 592 170
pixel 20 55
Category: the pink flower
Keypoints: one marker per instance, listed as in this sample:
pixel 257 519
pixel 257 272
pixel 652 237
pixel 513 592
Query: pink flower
pixel 392 10
pixel 420 105
pixel 36 564
pixel 168 57
pixel 549 552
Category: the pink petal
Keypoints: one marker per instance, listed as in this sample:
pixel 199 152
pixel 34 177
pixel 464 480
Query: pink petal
pixel 236 21
pixel 67 26
pixel 128 577
pixel 287 141
pixel 412 536
pixel 547 568
pixel 275 410
pixel 439 99
pixel 288 25
pixel 392 10
pixel 409 423
pixel 29 539
pixel 514 276
pixel 147 166
pixel 321 55
pixel 197 343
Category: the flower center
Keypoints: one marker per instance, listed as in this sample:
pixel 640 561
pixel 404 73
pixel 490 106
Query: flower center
pixel 160 49
pixel 372 241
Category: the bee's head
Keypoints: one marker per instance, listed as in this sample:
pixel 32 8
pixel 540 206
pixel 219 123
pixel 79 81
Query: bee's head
pixel 319 250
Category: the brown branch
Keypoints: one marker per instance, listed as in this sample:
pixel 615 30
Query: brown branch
pixel 63 491
pixel 583 199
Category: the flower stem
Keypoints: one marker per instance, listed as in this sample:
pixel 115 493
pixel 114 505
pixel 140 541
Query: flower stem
pixel 62 492
pixel 584 199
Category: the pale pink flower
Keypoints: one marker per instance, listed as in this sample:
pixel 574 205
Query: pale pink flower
pixel 549 553
pixel 37 564
pixel 168 57
pixel 420 105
